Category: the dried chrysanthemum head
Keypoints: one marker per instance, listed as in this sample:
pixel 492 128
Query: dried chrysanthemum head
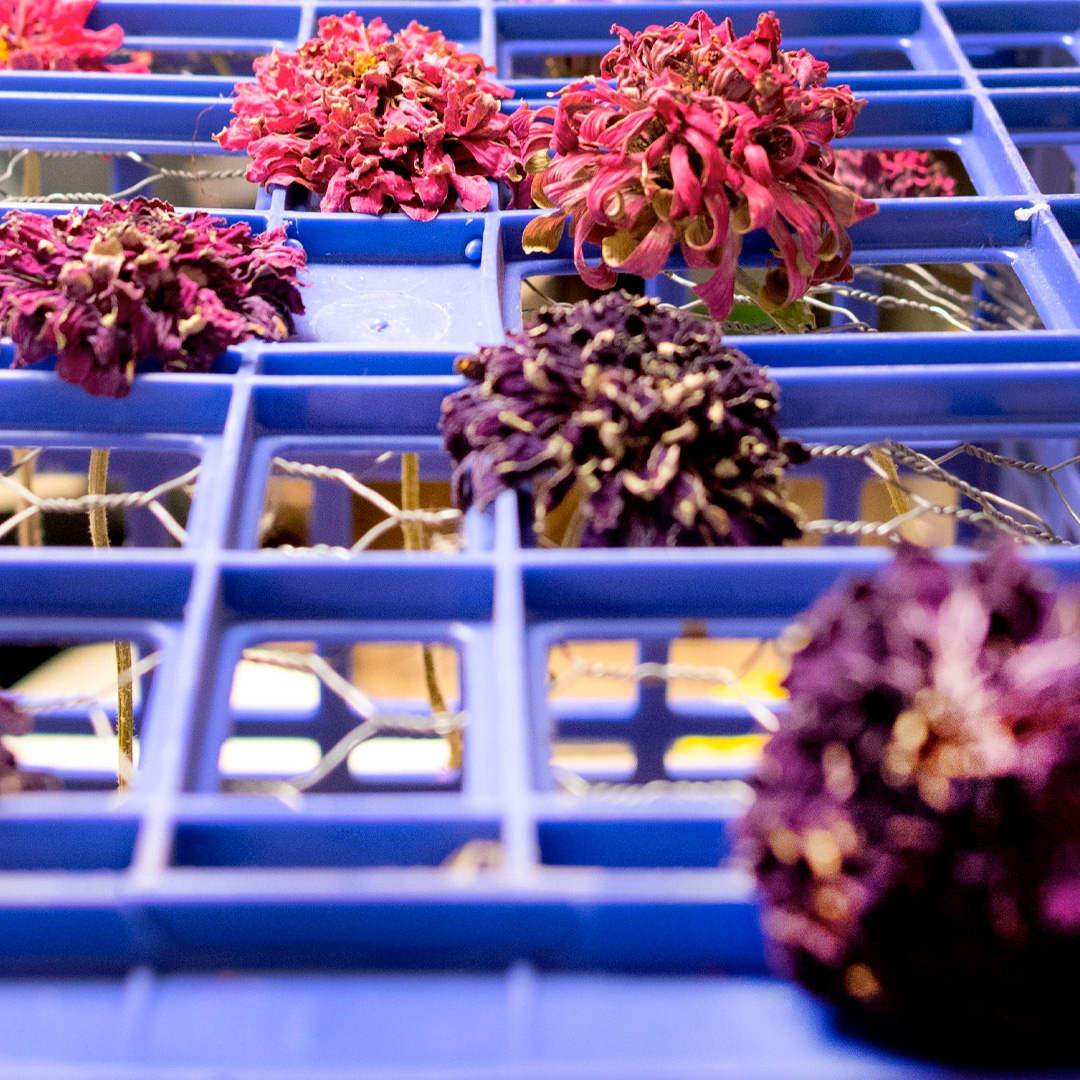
pixel 376 122
pixel 51 35
pixel 916 833
pixel 663 435
pixel 893 174
pixel 107 288
pixel 703 138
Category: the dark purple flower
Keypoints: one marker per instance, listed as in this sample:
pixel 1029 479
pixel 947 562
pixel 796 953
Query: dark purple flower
pixel 663 434
pixel 916 833
pixel 107 288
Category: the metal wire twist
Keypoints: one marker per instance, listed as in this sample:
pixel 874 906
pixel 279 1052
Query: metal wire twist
pixel 373 722
pixel 442 520
pixel 36 504
pixel 160 173
pixel 995 512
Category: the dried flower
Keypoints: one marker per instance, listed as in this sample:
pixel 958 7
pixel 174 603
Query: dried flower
pixel 704 137
pixel 104 289
pixel 51 35
pixel 917 828
pixel 374 123
pixel 665 434
pixel 893 174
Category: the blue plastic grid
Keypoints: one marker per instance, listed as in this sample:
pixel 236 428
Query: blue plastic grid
pixel 182 875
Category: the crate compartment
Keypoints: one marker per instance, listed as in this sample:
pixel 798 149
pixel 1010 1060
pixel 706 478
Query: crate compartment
pixel 162 484
pixel 307 500
pixel 1042 123
pixel 380 283
pixel 199 38
pixel 313 694
pixel 538 41
pixel 960 230
pixel 325 840
pixel 995 36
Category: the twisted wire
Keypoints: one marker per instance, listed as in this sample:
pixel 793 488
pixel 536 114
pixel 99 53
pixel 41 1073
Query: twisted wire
pixel 160 172
pixel 994 510
pixel 395 516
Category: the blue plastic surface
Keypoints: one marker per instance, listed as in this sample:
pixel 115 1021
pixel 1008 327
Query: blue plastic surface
pixel 180 875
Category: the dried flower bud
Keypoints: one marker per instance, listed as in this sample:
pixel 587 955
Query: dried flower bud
pixel 703 138
pixel 51 35
pixel 665 434
pixel 893 174
pixel 916 832
pixel 374 122
pixel 107 288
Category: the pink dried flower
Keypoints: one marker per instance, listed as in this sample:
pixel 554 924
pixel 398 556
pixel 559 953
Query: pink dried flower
pixel 374 123
pixel 704 137
pixel 51 35
pixel 105 289
pixel 893 174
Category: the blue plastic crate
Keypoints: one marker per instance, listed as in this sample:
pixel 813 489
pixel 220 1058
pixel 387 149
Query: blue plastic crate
pixel 592 889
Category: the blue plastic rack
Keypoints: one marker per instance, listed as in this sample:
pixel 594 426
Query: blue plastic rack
pixel 616 939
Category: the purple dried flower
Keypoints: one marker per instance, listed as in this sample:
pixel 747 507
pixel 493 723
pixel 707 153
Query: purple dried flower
pixel 916 834
pixel 105 289
pixel 665 434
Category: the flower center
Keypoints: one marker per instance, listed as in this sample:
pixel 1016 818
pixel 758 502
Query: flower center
pixel 363 63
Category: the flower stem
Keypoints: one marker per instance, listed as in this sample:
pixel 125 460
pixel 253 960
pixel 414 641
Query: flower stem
pixel 415 540
pixel 30 528
pixel 125 711
pixel 897 496
pixel 31 184
pixel 410 500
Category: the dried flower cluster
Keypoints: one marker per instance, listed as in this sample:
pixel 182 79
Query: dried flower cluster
pixel 664 434
pixel 893 174
pixel 105 289
pixel 917 828
pixel 374 122
pixel 704 137
pixel 51 35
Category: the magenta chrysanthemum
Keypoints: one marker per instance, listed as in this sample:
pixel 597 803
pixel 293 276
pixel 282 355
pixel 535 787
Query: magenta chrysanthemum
pixel 704 137
pixel 374 122
pixel 893 174
pixel 51 35
pixel 105 289
pixel 917 828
